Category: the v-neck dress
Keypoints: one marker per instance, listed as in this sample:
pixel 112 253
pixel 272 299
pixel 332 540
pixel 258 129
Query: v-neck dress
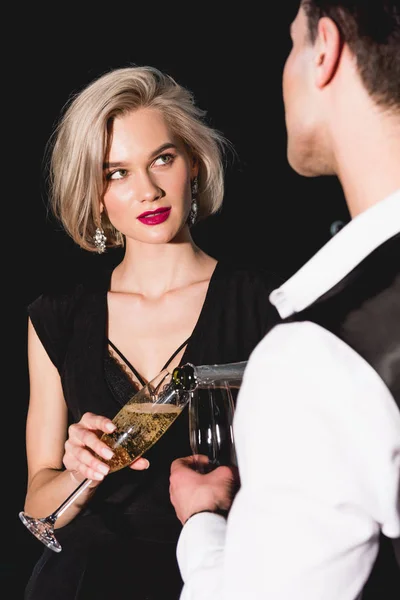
pixel 123 543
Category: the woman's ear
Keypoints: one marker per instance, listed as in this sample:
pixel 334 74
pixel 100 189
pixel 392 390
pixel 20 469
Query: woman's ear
pixel 328 49
pixel 194 167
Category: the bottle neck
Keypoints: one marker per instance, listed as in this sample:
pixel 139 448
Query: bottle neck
pixel 189 377
pixel 230 372
pixel 184 378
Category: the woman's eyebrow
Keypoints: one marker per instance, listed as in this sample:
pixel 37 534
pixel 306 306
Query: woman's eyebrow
pixel 159 150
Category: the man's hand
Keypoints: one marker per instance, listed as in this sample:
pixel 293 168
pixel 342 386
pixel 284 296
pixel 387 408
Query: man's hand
pixel 192 492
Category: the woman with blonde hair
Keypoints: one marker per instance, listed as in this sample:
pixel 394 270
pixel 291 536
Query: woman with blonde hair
pixel 132 164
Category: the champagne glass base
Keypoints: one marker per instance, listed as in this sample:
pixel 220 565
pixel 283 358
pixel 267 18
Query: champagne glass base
pixel 43 529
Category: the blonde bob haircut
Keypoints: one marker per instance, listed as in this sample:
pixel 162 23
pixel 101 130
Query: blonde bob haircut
pixel 78 146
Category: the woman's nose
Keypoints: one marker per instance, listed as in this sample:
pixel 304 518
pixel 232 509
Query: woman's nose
pixel 147 189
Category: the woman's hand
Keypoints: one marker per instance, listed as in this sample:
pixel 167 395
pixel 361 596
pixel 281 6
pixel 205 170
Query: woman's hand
pixel 84 443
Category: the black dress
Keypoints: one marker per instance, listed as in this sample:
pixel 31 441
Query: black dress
pixel 123 544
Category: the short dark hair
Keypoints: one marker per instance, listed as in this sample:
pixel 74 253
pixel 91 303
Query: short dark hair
pixel 371 29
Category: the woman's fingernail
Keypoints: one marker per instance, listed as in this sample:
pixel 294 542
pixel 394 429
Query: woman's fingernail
pixel 110 426
pixel 141 463
pixel 107 453
pixel 103 469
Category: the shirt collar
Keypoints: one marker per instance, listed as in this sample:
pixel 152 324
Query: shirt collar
pixel 363 234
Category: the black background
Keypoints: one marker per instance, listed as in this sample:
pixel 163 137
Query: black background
pixel 271 216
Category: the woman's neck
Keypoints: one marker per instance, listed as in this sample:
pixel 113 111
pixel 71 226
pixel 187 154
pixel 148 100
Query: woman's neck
pixel 152 270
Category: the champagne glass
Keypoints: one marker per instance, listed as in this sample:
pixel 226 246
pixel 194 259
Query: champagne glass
pixel 211 411
pixel 139 425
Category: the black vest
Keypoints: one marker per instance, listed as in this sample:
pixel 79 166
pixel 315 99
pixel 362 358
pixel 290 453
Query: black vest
pixel 363 310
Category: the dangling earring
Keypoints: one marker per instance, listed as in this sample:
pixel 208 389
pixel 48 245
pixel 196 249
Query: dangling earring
pixel 194 207
pixel 100 240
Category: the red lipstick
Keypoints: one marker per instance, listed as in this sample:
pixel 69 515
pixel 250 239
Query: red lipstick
pixel 155 217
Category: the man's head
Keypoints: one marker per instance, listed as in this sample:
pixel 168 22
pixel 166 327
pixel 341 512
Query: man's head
pixel 344 66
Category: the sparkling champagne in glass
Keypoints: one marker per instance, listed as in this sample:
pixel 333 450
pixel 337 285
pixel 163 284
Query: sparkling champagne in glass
pixel 139 425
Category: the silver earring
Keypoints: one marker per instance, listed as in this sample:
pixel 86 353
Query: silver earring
pixel 100 240
pixel 194 207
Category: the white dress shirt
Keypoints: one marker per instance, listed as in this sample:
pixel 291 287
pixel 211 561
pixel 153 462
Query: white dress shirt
pixel 318 443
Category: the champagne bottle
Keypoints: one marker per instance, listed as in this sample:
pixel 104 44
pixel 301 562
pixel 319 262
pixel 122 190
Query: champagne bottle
pixel 188 377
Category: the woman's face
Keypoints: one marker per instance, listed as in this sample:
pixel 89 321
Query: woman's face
pixel 148 176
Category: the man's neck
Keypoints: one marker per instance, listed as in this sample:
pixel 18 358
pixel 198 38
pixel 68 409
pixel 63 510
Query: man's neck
pixel 369 164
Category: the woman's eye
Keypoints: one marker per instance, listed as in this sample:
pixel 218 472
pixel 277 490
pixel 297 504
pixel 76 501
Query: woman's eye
pixel 163 159
pixel 119 174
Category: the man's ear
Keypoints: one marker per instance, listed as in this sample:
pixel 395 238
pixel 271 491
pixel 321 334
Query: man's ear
pixel 328 49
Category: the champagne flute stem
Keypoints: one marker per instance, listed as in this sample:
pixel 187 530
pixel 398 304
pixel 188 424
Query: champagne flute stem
pixel 71 498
